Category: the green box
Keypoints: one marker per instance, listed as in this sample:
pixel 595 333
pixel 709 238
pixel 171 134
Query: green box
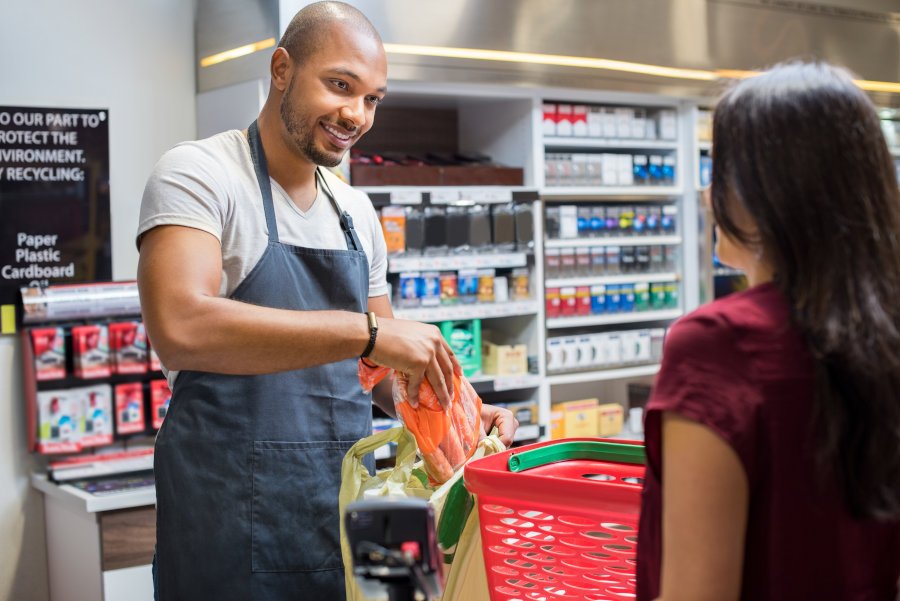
pixel 464 338
pixel 641 296
pixel 657 296
pixel 671 295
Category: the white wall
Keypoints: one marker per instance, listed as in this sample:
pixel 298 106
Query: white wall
pixel 136 59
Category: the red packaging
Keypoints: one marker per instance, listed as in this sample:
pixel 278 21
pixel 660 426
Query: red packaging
pixel 567 301
pixel 90 346
pixel 552 297
pixel 160 395
pixel 128 347
pixel 49 345
pixel 583 300
pixel 130 408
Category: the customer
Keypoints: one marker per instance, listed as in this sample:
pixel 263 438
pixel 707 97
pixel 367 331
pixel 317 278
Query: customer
pixel 257 269
pixel 773 431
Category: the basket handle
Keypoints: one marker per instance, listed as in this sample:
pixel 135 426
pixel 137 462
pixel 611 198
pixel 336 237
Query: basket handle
pixel 567 451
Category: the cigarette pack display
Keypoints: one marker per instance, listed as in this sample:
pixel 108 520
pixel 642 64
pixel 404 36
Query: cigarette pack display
pixel 524 226
pixel 549 123
pixel 520 286
pixel 580 120
pixel 457 228
pixel 393 224
pixel 415 231
pixel 130 408
pixel 128 347
pixel 655 170
pixel 160 396
pixel 553 302
pixel 567 301
pixel 624 117
pixel 479 227
pixel 408 289
pixel 595 122
pixel 435 230
pixel 90 346
pixel 486 285
pixel 96 402
pixel 449 288
pixel 568 221
pixel 467 285
pixel 430 292
pixel 503 226
pixel 583 300
pixel 49 345
pixel 59 422
pixel 564 120
pixel 598 299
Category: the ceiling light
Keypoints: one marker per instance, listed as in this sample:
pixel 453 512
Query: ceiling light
pixel 221 57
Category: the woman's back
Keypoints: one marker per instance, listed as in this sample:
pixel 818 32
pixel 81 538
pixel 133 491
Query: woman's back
pixel 738 367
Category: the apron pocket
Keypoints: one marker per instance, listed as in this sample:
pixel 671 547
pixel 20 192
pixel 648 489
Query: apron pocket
pixel 295 524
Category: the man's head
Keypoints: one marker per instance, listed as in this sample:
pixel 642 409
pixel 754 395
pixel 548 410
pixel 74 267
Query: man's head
pixel 328 74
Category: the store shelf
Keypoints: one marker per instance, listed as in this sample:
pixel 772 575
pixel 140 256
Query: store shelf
pixel 555 323
pixel 628 278
pixel 604 192
pixel 486 383
pixel 555 142
pixel 476 311
pixel 527 432
pixel 473 261
pixel 416 195
pixel 611 241
pixel 90 503
pixel 603 374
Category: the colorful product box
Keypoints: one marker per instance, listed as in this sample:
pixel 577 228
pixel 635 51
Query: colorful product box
pixel 464 339
pixel 96 402
pixel 130 408
pixel 49 346
pixel 549 122
pixel 160 397
pixel 553 302
pixel 610 419
pixel 59 422
pixel 393 224
pixel 128 347
pixel 90 349
pixel 574 419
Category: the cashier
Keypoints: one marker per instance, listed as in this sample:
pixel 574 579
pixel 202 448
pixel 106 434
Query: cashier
pixel 262 280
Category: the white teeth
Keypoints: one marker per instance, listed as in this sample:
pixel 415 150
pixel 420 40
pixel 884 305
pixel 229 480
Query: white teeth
pixel 337 134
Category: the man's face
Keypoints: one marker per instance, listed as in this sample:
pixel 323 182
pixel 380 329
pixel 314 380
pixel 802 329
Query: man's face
pixel 332 95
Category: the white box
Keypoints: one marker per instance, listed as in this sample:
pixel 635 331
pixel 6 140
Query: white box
pixel 564 120
pixel 624 118
pixel 639 124
pixel 628 344
pixel 613 349
pixel 595 170
pixel 642 350
pixel 570 352
pixel 595 122
pixel 568 221
pixel 555 354
pixel 608 118
pixel 579 169
pixel 586 352
pixel 579 120
pixel 610 171
pixel 668 125
pixel 626 170
pixel 549 119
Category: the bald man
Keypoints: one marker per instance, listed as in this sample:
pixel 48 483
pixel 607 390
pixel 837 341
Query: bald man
pixel 262 281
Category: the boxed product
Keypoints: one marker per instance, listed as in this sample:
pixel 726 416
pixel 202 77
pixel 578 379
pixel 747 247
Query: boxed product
pixel 574 419
pixel 449 288
pixel 49 345
pixel 430 289
pixel 128 347
pixel 610 419
pixel 130 408
pixel 555 354
pixel 393 223
pixel 467 284
pixel 580 120
pixel 564 120
pixel 504 359
pixel 160 396
pixel 90 349
pixel 96 403
pixel 526 412
pixel 549 119
pixel 59 422
pixel 553 302
pixel 595 122
pixel 519 288
pixel 464 339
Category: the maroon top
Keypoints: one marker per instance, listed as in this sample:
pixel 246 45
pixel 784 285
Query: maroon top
pixel 738 367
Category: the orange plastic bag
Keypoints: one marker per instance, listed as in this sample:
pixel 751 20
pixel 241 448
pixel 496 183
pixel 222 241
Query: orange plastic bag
pixel 446 438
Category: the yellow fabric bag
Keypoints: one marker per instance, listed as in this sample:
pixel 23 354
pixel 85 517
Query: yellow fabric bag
pixel 457 527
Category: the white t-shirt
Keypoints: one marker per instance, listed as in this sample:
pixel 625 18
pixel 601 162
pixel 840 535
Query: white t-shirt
pixel 210 185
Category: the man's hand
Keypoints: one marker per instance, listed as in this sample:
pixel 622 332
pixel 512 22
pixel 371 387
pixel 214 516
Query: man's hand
pixel 503 419
pixel 418 350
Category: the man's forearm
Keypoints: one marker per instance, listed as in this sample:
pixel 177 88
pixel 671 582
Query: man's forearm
pixel 226 336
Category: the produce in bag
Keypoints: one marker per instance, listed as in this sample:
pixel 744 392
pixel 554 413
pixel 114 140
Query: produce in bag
pixel 446 437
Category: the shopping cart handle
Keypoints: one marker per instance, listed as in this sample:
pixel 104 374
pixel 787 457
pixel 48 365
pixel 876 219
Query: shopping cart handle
pixel 583 449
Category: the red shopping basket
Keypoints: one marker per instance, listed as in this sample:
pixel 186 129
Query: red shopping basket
pixel 559 519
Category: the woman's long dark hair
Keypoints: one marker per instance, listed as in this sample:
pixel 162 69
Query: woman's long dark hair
pixel 800 147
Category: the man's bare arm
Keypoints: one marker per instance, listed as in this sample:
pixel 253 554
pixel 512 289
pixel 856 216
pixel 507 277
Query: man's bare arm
pixel 192 328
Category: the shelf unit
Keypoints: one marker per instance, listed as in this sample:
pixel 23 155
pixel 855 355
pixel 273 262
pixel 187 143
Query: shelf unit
pixel 507 124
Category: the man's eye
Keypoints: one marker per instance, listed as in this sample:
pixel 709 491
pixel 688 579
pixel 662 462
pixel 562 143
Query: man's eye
pixel 341 84
pixel 374 100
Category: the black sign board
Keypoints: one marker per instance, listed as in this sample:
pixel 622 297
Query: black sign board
pixel 54 198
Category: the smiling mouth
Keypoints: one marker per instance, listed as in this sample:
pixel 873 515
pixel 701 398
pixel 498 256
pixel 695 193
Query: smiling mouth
pixel 340 136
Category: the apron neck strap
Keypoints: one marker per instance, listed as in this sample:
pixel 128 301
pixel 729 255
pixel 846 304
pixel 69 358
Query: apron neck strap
pixel 262 176
pixel 265 188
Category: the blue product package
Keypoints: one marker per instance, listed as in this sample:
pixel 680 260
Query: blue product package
pixel 667 222
pixel 468 286
pixel 626 298
pixel 656 170
pixel 430 293
pixel 653 218
pixel 584 222
pixel 598 299
pixel 408 289
pixel 598 221
pixel 613 298
pixel 640 170
pixel 705 170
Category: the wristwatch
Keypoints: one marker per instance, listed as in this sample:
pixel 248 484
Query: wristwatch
pixel 373 332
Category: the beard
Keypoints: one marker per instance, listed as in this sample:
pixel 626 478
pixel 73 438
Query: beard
pixel 302 135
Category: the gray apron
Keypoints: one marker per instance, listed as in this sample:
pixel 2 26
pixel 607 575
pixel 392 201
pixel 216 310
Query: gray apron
pixel 248 467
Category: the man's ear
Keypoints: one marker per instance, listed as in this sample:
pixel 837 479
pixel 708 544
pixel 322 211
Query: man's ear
pixel 281 68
